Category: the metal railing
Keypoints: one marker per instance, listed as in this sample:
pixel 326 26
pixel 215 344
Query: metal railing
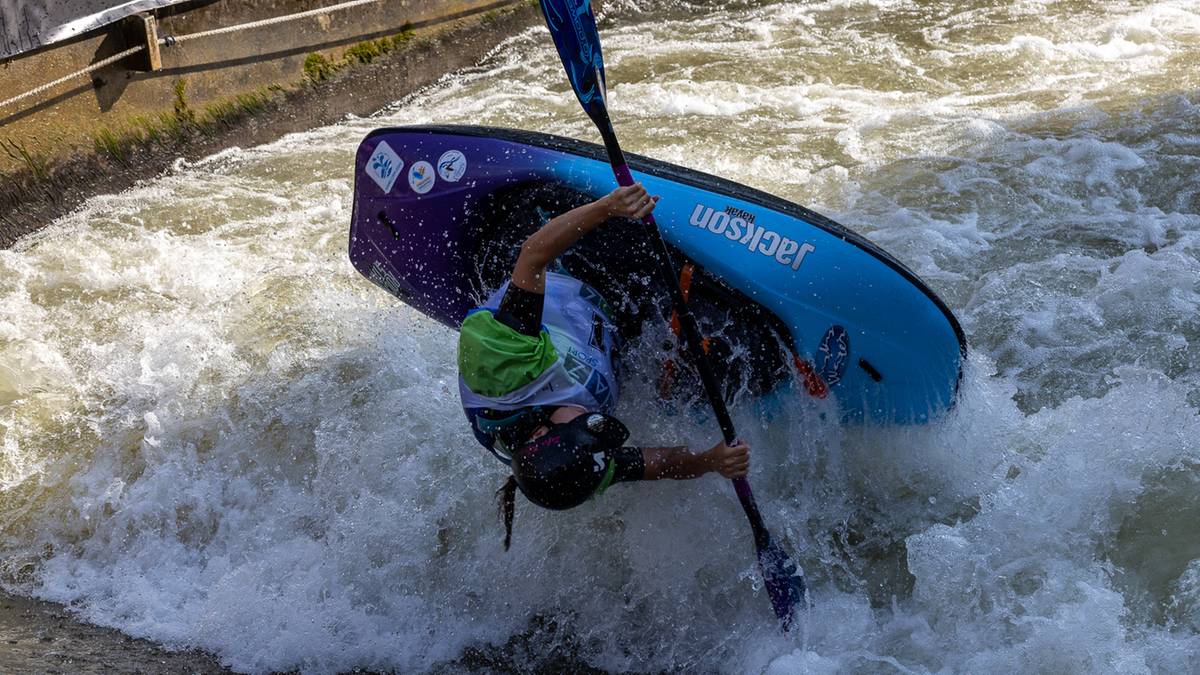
pixel 172 40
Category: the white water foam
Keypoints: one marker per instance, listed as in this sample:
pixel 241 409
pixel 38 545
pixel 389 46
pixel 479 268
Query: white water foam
pixel 215 434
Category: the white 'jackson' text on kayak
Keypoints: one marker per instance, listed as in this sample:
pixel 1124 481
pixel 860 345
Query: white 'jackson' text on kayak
pixel 738 225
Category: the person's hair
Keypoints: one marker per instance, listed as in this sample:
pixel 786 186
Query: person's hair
pixel 506 502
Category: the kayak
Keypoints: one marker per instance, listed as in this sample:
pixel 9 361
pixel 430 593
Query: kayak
pixel 795 303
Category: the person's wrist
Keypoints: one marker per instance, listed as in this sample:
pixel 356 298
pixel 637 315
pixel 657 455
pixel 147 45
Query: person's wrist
pixel 607 209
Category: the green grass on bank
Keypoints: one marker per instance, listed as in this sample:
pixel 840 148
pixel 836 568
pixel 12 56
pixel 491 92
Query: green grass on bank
pixel 37 165
pixel 182 121
pixel 318 68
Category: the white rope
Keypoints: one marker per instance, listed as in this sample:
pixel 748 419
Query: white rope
pixel 79 73
pixel 172 40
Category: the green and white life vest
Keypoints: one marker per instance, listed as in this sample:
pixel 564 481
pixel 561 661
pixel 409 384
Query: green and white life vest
pixel 570 363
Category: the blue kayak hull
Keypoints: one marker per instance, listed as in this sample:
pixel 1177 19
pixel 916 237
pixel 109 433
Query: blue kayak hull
pixel 879 339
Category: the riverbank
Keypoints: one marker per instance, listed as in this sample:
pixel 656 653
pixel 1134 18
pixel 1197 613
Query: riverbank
pixel 42 637
pixel 358 79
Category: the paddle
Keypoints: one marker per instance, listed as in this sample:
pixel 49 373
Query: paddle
pixel 573 27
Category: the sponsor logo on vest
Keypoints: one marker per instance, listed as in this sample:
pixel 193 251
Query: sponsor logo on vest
pixel 599 389
pixel 577 369
pixel 738 225
pixel 581 367
pixel 579 355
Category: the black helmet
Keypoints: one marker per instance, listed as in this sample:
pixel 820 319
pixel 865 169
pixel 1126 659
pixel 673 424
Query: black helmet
pixel 566 465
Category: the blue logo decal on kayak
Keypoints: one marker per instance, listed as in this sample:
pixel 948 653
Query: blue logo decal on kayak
pixel 834 353
pixel 421 177
pixel 452 165
pixel 384 166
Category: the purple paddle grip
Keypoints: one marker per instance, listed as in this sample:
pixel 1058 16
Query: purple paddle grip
pixel 742 487
pixel 624 175
pixel 624 179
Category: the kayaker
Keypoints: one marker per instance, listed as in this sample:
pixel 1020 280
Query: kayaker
pixel 537 381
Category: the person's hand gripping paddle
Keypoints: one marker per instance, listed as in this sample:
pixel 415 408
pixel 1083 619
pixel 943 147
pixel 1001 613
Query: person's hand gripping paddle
pixel 573 27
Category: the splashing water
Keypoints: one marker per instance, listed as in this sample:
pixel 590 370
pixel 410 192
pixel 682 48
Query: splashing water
pixel 213 433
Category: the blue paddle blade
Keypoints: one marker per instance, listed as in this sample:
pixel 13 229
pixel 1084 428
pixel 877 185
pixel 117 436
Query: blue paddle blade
pixel 784 582
pixel 573 27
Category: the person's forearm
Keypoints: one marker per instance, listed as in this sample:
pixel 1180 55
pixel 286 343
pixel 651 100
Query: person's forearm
pixel 731 461
pixel 552 240
pixel 563 231
pixel 674 462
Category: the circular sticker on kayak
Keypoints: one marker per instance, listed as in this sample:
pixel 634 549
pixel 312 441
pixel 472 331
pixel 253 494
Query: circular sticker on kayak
pixel 452 165
pixel 833 353
pixel 421 177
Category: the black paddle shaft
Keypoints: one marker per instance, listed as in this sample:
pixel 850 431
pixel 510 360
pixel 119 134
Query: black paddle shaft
pixel 692 338
pixel 573 27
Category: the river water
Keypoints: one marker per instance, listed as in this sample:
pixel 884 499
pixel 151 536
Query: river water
pixel 214 433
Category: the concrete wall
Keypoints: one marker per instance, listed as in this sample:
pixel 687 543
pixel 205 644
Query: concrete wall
pixel 33 196
pixel 60 122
